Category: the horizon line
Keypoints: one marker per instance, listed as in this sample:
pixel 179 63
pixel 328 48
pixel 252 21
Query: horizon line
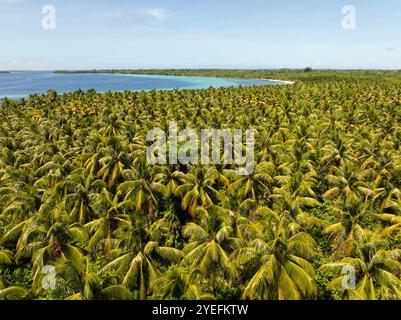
pixel 206 68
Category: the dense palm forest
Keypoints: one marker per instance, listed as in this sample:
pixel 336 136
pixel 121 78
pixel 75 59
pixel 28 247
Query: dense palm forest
pixel 78 196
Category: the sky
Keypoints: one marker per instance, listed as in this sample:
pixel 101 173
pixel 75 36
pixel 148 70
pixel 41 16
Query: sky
pixel 105 34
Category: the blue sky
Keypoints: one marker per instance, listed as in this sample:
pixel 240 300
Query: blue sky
pixel 200 34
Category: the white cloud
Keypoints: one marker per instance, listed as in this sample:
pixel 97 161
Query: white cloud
pixel 157 13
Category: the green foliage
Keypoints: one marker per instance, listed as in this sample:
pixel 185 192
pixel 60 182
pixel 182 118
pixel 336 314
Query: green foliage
pixel 78 194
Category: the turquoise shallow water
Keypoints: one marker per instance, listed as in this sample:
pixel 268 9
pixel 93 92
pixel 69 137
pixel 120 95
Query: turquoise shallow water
pixel 19 84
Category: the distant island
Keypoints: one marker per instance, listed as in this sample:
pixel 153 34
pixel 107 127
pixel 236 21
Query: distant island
pixel 2 72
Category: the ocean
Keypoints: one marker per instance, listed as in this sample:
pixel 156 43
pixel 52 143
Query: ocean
pixel 20 84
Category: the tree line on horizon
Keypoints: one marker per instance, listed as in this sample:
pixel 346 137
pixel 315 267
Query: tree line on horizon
pixel 304 75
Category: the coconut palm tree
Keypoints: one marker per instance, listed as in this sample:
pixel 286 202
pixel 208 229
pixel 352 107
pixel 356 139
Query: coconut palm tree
pixel 177 284
pixel 197 188
pixel 254 186
pixel 278 265
pixel 139 269
pixel 210 242
pixel 376 272
pixel 111 223
pixel 79 281
pixel 347 233
pixel 347 186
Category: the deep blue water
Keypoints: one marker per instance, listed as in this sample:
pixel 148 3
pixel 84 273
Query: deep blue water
pixel 18 84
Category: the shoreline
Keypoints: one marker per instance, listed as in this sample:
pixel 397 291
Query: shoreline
pixel 275 80
pixel 272 82
pixel 149 74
